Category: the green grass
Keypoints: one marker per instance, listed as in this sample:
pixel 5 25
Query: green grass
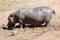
pixel 12 4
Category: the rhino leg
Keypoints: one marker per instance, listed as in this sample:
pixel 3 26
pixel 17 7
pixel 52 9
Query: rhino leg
pixel 47 24
pixel 21 24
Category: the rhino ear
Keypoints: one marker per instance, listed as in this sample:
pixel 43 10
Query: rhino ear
pixel 11 19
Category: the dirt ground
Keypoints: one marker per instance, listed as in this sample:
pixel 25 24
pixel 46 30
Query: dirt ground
pixel 36 33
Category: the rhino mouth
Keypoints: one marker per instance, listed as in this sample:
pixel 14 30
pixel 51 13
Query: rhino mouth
pixel 10 25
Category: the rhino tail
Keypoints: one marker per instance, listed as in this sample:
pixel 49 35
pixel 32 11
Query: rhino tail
pixel 54 12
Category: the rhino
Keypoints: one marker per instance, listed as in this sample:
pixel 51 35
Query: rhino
pixel 34 16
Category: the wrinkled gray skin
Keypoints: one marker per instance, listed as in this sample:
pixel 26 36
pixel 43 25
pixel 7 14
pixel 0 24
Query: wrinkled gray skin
pixel 33 16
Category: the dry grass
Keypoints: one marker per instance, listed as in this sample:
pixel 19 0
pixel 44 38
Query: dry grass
pixel 37 33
